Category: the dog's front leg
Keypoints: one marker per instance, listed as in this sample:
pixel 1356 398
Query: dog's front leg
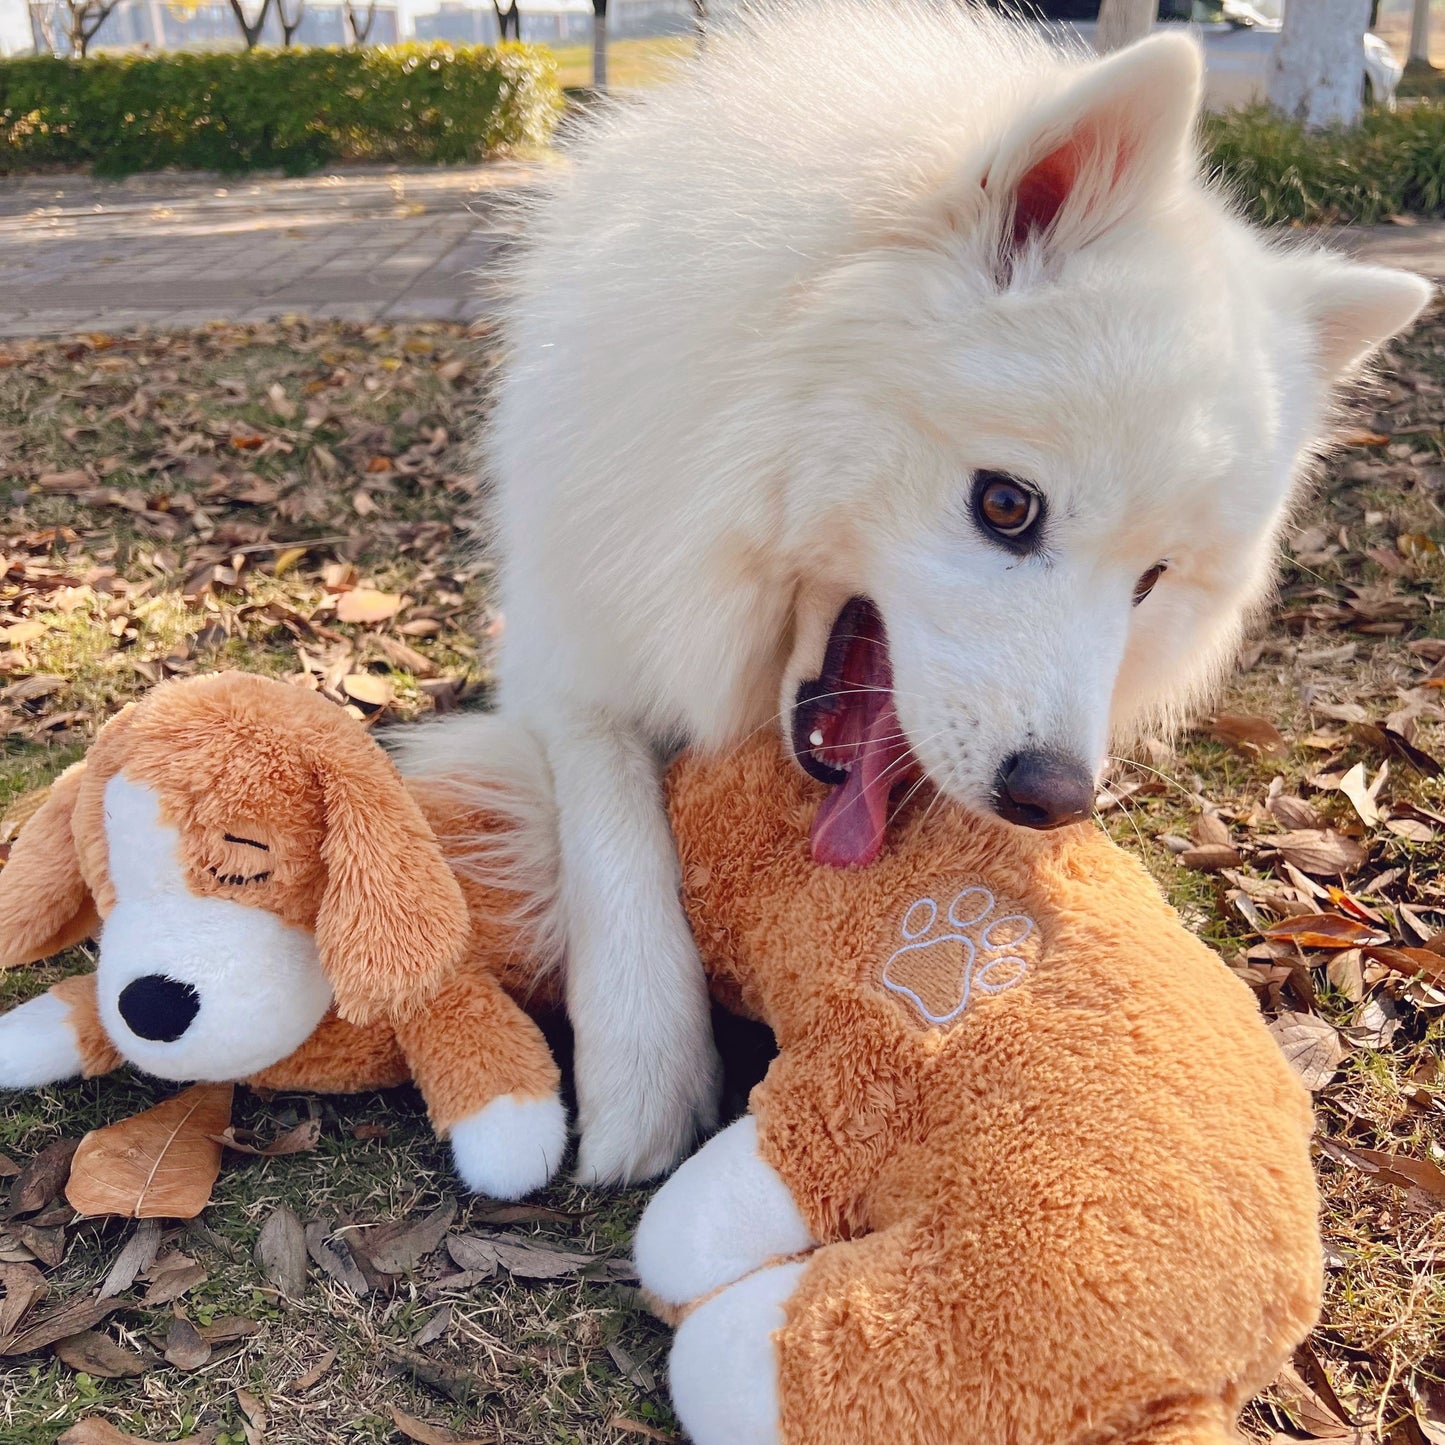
pixel 646 1068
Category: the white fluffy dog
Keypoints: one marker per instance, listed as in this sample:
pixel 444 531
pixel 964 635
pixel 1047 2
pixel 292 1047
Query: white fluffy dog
pixel 896 370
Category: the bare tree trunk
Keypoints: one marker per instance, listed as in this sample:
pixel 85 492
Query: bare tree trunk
pixel 358 30
pixel 251 34
pixel 1318 74
pixel 599 44
pixel 508 20
pixel 43 30
pixel 699 21
pixel 86 17
pixel 289 27
pixel 1420 33
pixel 1122 22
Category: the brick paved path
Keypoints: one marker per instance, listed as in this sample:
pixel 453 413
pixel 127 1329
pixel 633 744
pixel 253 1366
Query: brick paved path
pixel 78 254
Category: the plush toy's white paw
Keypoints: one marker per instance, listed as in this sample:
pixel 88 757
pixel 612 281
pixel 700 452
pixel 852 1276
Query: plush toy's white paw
pixel 724 1366
pixel 512 1146
pixel 723 1214
pixel 37 1045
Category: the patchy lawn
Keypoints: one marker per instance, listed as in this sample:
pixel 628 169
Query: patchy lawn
pixel 287 498
pixel 630 63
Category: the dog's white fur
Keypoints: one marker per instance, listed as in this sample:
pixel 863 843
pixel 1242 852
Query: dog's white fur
pixel 767 325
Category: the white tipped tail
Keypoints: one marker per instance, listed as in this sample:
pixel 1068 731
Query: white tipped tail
pixel 497 768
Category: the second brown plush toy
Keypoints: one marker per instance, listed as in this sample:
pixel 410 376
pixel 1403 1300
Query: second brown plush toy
pixel 1028 1170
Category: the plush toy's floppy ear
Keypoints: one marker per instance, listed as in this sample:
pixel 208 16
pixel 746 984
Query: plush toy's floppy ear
pixel 392 921
pixel 1070 170
pixel 45 905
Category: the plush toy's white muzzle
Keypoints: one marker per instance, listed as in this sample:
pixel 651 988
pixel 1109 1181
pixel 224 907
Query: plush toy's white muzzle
pixel 195 988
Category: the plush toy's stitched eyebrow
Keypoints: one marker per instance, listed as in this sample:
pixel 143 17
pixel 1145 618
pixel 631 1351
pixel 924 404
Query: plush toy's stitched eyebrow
pixel 249 842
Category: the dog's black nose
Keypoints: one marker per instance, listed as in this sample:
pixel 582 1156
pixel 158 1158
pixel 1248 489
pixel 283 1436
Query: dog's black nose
pixel 1044 789
pixel 156 1007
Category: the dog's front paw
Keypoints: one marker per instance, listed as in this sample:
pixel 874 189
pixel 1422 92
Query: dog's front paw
pixel 512 1146
pixel 37 1045
pixel 630 1134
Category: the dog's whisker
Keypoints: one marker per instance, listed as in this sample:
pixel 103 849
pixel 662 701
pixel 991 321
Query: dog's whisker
pixel 1154 772
pixel 1118 802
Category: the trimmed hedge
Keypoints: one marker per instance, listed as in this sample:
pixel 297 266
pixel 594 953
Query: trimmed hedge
pixel 292 110
pixel 1392 163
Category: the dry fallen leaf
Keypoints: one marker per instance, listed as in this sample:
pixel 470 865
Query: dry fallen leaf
pixel 435 1327
pixel 97 1354
pixel 425 1434
pixel 333 1254
pixel 1314 1048
pixel 639 1427
pixel 1210 857
pixel 171 1282
pixel 367 687
pixel 1244 734
pixel 96 1430
pixel 1320 851
pixel 1357 789
pixel 136 1256
pixel 306 1379
pixel 24 1286
pixel 1306 1407
pixel 1397 1169
pixel 366 605
pixel 1428 1397
pixel 305 1136
pixel 402 1251
pixel 1391 744
pixel 186 1349
pixel 1294 813
pixel 1412 962
pixel 70 1318
pixel 281 1252
pixel 159 1164
pixel 1325 930
pixel 39 1183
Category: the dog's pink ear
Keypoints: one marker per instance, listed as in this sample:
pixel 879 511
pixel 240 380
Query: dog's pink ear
pixel 45 905
pixel 392 922
pixel 1070 170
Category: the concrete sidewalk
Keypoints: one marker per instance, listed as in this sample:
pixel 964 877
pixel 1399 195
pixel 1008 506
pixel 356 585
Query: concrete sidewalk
pixel 77 254
pixel 366 244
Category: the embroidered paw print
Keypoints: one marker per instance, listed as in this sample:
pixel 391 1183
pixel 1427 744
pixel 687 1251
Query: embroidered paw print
pixel 947 958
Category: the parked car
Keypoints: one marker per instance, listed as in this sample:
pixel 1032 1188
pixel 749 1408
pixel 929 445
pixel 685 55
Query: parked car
pixel 1239 40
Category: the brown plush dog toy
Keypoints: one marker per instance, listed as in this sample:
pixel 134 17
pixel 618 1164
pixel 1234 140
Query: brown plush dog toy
pixel 273 905
pixel 1028 1170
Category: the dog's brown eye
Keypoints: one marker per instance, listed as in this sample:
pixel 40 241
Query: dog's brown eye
pixel 1145 585
pixel 1006 507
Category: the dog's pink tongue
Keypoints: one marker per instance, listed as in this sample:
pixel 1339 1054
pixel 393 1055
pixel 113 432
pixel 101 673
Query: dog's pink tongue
pixel 851 821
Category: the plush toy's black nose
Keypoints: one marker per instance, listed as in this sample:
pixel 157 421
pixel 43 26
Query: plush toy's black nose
pixel 156 1007
pixel 1044 789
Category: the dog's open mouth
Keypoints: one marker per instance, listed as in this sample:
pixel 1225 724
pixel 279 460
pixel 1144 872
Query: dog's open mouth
pixel 847 734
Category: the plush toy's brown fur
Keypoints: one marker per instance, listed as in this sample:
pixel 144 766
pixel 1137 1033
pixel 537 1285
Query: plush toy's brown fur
pixel 1083 1211
pixel 419 957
